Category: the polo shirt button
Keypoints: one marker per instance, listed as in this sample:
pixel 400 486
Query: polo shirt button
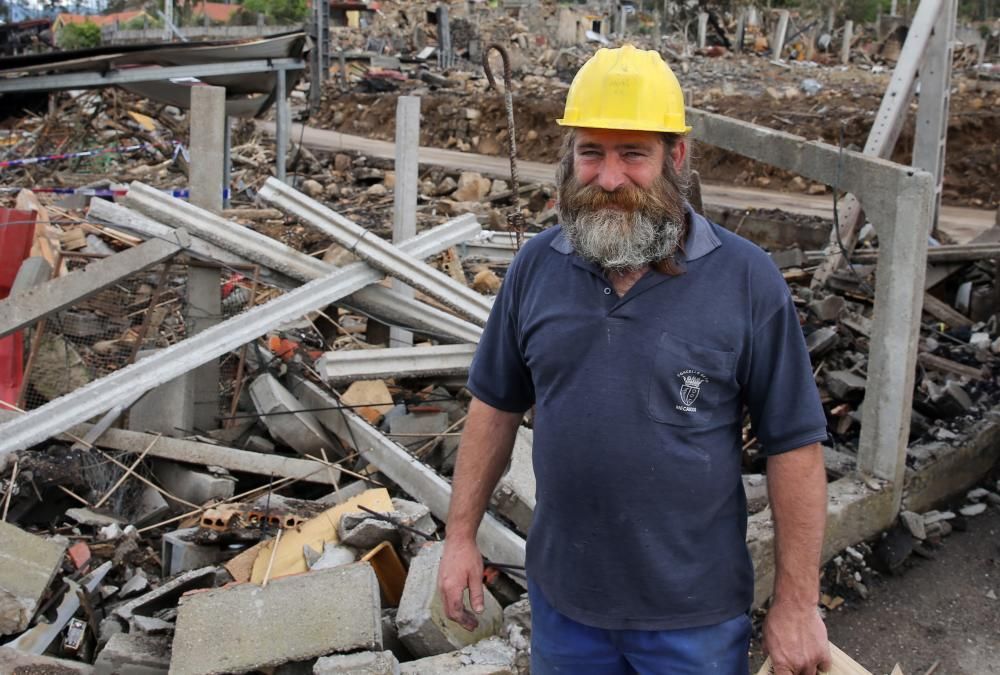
pixel 607 291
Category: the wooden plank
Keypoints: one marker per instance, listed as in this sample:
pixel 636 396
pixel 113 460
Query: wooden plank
pixel 842 664
pixel 943 365
pixel 945 312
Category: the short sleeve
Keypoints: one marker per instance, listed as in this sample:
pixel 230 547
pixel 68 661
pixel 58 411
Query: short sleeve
pixel 498 375
pixel 781 394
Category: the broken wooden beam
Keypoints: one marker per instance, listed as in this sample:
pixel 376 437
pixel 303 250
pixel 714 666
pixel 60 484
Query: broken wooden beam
pixel 943 365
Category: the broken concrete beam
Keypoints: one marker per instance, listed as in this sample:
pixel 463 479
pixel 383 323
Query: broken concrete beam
pixel 285 417
pixel 364 532
pixel 17 662
pixel 392 260
pixel 362 663
pixel 135 654
pixel 191 485
pixel 167 594
pixel 129 383
pixel 491 656
pixel 105 211
pixel 495 540
pixel 25 308
pixel 423 627
pixel 373 364
pixel 294 618
pixel 793 257
pixel 28 563
pixel 264 250
pixel 514 496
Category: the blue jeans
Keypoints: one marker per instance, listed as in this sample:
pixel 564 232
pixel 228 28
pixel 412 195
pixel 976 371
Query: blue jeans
pixel 561 645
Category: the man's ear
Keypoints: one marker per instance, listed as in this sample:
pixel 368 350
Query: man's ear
pixel 679 155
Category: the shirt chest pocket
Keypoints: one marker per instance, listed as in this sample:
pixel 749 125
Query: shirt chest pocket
pixel 691 385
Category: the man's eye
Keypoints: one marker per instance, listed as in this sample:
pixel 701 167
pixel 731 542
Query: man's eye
pixel 635 155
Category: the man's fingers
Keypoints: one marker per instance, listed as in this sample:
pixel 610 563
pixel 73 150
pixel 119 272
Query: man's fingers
pixel 476 593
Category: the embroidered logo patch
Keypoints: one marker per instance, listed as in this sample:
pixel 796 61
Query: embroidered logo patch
pixel 691 388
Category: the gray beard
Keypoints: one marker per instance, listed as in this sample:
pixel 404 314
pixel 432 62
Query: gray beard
pixel 619 240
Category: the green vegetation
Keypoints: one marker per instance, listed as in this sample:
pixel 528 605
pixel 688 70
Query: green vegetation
pixel 278 11
pixel 80 35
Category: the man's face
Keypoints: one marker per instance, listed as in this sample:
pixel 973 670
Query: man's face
pixel 620 201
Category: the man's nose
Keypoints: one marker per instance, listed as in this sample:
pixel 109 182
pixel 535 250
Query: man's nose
pixel 612 175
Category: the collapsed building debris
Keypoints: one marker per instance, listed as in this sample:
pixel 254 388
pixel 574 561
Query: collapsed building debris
pixel 309 509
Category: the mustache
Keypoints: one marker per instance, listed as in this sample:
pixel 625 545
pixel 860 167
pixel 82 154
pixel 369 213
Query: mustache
pixel 578 198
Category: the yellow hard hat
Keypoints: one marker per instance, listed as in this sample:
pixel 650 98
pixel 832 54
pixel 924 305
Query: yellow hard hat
pixel 625 88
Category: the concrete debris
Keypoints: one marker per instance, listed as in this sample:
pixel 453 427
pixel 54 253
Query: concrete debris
pixel 362 663
pixel 423 628
pixel 134 653
pixel 302 616
pixel 491 656
pixel 236 472
pixel 28 563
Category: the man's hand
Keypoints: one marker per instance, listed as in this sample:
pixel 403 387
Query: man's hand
pixel 461 568
pixel 795 639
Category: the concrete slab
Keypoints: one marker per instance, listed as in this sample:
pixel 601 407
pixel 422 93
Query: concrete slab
pixel 492 656
pixel 248 627
pixel 135 654
pixel 28 564
pixel 363 663
pixel 300 431
pixel 515 493
pixel 423 627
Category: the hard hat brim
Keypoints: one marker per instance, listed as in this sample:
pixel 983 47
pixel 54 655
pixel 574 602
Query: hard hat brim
pixel 623 125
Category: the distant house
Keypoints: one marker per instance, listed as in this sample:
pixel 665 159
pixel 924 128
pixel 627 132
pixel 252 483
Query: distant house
pixel 100 19
pixel 217 12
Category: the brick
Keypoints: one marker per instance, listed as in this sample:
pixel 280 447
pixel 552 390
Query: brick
pixel 362 663
pixel 28 564
pixel 294 618
pixel 422 624
pixel 492 656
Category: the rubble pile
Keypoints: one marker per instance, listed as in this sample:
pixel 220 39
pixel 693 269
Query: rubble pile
pixel 297 524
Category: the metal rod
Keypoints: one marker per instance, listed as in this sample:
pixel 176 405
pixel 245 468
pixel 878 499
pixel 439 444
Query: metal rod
pixel 515 219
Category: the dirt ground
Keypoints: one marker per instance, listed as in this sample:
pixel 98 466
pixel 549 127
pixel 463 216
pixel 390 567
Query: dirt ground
pixel 471 119
pixel 936 611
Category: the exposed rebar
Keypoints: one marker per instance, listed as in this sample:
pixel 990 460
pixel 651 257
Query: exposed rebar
pixel 515 219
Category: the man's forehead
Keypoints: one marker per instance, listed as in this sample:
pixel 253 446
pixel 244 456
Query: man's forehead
pixel 615 138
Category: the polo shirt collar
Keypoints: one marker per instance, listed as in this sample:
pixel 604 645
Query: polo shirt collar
pixel 701 239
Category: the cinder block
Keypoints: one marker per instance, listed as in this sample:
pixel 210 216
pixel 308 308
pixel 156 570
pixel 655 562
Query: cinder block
pixel 194 486
pixel 27 565
pixel 492 656
pixel 515 493
pixel 294 618
pixel 135 654
pixel 362 663
pixel 422 624
pixel 180 555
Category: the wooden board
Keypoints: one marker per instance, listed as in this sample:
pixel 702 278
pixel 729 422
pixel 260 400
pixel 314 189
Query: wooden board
pixel 842 664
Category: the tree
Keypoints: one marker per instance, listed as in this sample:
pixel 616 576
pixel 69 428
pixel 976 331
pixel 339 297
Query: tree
pixel 280 11
pixel 80 35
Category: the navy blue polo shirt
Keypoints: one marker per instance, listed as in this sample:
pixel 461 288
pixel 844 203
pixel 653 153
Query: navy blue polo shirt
pixel 640 516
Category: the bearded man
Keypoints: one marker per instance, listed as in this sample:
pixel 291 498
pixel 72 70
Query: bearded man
pixel 640 332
